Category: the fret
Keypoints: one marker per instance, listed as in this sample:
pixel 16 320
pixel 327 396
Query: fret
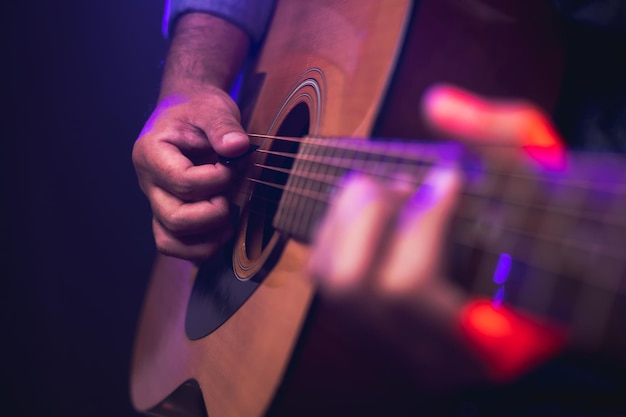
pixel 379 165
pixel 286 212
pixel 326 187
pixel 303 225
pixel 318 207
pixel 372 162
pixel 299 223
pixel 360 164
pixel 346 155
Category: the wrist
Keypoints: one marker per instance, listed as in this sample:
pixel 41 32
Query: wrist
pixel 206 52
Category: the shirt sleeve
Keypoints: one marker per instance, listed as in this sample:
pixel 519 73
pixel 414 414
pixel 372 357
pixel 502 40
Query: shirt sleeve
pixel 250 15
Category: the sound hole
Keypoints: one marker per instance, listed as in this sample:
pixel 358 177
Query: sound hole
pixel 217 292
pixel 265 199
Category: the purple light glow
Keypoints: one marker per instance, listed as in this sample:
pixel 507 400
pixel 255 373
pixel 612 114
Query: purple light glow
pixel 502 269
pixel 166 18
pixel 498 297
pixel 166 103
pixel 500 276
pixel 236 88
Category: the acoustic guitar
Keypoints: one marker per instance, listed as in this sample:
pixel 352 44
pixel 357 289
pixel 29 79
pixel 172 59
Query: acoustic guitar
pixel 244 334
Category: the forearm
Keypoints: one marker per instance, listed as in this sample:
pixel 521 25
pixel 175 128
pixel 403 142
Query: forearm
pixel 205 51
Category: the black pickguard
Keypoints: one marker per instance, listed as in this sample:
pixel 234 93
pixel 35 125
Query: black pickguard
pixel 218 293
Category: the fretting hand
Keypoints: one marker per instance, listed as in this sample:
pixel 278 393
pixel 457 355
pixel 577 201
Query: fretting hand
pixel 377 251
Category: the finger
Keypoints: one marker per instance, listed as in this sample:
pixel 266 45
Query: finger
pixel 177 174
pixel 349 240
pixel 475 119
pixel 193 248
pixel 187 219
pixel 479 121
pixel 414 250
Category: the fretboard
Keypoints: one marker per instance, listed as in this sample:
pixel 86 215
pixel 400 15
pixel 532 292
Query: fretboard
pixel 551 242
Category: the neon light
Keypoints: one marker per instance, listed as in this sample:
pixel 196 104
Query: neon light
pixel 500 275
pixel 502 269
pixel 487 321
pixel 508 342
pixel 166 18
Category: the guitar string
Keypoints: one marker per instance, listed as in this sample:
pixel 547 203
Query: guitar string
pixel 322 197
pixel 347 165
pixel 332 180
pixel 368 148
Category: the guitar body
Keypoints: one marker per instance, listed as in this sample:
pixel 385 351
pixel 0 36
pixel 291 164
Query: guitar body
pixel 327 68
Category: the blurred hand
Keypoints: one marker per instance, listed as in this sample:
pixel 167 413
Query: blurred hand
pixel 176 160
pixel 378 249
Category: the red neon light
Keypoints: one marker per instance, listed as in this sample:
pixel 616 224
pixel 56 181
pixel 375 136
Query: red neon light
pixel 508 342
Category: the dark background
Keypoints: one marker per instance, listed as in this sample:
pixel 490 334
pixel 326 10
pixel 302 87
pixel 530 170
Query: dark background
pixel 80 78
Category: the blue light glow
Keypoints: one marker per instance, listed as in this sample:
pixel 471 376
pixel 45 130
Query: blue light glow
pixel 502 269
pixel 498 297
pixel 500 276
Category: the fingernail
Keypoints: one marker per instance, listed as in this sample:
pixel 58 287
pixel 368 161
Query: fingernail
pixel 235 139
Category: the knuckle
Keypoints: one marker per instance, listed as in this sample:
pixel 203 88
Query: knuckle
pixel 215 101
pixel 219 183
pixel 162 245
pixel 220 208
pixel 223 101
pixel 184 189
pixel 162 241
pixel 176 223
pixel 138 154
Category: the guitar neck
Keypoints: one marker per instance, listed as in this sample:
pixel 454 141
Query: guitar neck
pixel 550 242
